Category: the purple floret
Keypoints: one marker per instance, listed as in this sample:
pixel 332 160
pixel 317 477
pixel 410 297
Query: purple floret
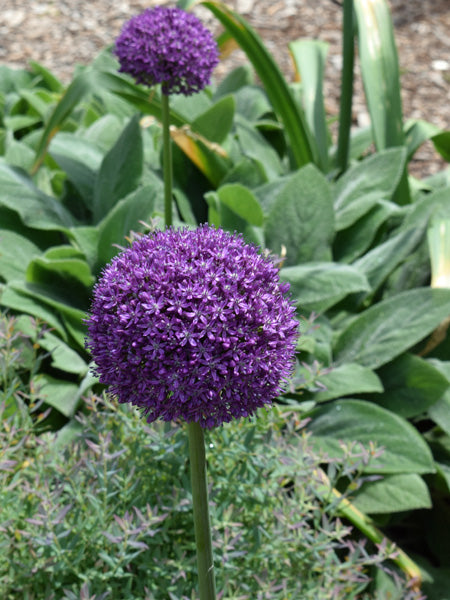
pixel 193 325
pixel 168 46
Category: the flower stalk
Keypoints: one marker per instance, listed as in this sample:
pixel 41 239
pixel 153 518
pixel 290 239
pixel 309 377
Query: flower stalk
pixel 205 563
pixel 167 160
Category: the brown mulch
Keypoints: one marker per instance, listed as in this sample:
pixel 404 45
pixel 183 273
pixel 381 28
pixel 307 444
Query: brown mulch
pixel 62 33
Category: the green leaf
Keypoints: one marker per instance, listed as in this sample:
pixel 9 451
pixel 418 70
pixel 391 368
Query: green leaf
pixel 440 411
pixel 356 239
pixel 59 394
pixel 380 262
pixel 434 205
pixel 412 385
pixel 63 357
pixel 120 171
pixel 215 123
pixel 391 326
pixel 393 493
pixel 351 421
pixel 416 133
pixel 274 83
pixel 309 59
pixel 317 286
pixel 240 200
pixel 64 261
pixel 13 296
pixel 302 218
pixel 49 78
pixel 363 185
pixel 77 90
pixel 239 78
pixel 441 142
pixel 255 146
pixel 16 252
pixel 123 219
pixel 35 209
pixel 380 71
pixel 346 380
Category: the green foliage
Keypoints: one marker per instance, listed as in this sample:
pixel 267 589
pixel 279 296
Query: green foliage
pixel 359 241
pixel 103 506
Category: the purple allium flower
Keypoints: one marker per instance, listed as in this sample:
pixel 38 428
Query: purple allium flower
pixel 193 324
pixel 169 46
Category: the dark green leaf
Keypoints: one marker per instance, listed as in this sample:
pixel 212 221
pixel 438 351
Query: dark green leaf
pixel 412 385
pixel 393 493
pixel 390 327
pixel 35 209
pixel 363 185
pixel 302 219
pixel 351 421
pixel 120 171
pixel 317 286
pixel 16 252
pixel 347 380
pixel 215 123
pixel 123 219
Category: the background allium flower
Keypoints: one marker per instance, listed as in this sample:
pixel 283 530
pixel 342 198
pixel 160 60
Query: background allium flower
pixel 169 46
pixel 193 324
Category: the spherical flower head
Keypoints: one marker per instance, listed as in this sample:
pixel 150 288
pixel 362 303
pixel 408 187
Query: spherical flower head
pixel 193 325
pixel 170 46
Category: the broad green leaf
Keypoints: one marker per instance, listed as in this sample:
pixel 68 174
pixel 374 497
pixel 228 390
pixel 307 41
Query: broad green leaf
pixel 393 493
pixel 441 142
pixel 440 411
pixel 215 123
pixel 435 205
pixel 363 185
pixel 346 380
pixel 64 263
pixel 63 357
pixel 35 209
pixel 252 104
pixel 72 146
pixel 255 146
pixel 309 59
pixel 351 421
pixel 123 219
pixel 120 171
pixel 16 252
pixel 411 386
pixel 356 239
pixel 77 90
pixel 274 83
pixel 59 394
pixel 302 219
pixel 86 240
pixel 241 201
pixel 416 133
pixel 51 81
pixel 15 298
pixel 379 263
pixel 240 78
pixel 317 286
pixel 392 326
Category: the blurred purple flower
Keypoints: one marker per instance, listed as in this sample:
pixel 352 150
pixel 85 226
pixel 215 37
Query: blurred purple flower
pixel 169 46
pixel 193 324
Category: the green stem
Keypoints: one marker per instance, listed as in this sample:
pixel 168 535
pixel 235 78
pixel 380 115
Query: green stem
pixel 167 159
pixel 205 564
pixel 366 526
pixel 345 109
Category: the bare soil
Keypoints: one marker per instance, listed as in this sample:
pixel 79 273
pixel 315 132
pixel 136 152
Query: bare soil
pixel 61 33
